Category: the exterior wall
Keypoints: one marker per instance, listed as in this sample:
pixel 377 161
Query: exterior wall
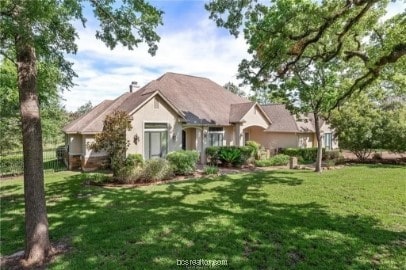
pixel 191 138
pixel 254 117
pixel 229 137
pixel 306 140
pixel 149 114
pixel 325 128
pixel 75 144
pixel 92 163
pixel 273 140
pixel 88 139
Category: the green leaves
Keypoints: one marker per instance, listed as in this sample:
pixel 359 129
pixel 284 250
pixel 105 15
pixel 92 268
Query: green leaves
pixel 113 138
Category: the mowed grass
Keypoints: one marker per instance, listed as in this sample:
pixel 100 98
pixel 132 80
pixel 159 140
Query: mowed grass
pixel 352 218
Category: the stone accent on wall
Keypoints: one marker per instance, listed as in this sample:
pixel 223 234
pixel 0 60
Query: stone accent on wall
pixel 74 162
pixel 94 163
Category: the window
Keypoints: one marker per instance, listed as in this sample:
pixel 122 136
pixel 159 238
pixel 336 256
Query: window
pixel 327 141
pixel 216 135
pixel 155 140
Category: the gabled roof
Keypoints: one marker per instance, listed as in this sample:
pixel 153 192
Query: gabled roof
pixel 202 101
pixel 305 123
pixel 237 111
pixel 282 119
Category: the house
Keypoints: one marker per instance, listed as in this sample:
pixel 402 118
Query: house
pixel 179 111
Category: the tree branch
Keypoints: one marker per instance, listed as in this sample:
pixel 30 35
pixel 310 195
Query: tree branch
pixel 351 54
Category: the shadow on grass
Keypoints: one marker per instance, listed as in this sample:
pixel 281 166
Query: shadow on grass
pixel 229 218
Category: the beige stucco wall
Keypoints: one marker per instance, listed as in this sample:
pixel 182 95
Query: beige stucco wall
pixel 75 144
pixel 254 117
pixel 229 137
pixel 88 139
pixel 272 140
pixel 148 114
pixel 306 140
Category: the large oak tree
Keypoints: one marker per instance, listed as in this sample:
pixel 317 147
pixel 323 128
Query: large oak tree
pixel 314 55
pixel 43 30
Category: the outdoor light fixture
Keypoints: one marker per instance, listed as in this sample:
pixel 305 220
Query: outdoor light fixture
pixel 205 133
pixel 174 137
pixel 136 139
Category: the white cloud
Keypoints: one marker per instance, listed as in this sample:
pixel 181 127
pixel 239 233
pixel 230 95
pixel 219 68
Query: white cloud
pixel 105 74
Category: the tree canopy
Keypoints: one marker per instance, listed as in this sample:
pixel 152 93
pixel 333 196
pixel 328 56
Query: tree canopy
pixel 312 55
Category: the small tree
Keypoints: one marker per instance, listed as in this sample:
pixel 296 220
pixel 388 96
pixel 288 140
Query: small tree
pixel 113 139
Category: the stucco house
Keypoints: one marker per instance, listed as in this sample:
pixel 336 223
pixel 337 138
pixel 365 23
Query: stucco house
pixel 179 111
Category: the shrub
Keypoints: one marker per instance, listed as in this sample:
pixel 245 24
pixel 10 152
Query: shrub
pixel 11 164
pixel 331 154
pixel 308 155
pixel 230 155
pixel 210 170
pixel 134 160
pixel 263 163
pixel 130 171
pixel 156 170
pixel 377 156
pixel 212 153
pixel 183 162
pixel 280 159
pixel 277 160
pixel 255 148
pixel 247 154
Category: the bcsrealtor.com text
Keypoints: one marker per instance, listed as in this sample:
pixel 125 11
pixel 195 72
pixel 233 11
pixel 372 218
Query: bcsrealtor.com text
pixel 201 263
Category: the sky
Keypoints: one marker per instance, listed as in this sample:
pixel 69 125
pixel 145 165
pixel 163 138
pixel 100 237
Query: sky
pixel 190 44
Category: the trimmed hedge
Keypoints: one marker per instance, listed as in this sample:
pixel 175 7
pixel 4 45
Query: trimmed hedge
pixel 183 161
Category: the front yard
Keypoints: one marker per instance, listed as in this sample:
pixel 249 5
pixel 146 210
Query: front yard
pixel 351 218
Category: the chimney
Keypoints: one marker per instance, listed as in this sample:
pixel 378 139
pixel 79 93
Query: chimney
pixel 133 86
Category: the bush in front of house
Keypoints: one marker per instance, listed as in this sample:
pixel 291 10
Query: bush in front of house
pixel 255 148
pixel 212 154
pixel 135 160
pixel 277 160
pixel 156 170
pixel 210 170
pixel 183 161
pixel 304 155
pixel 229 155
pixel 131 169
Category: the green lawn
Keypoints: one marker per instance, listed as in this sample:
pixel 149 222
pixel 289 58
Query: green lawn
pixel 352 218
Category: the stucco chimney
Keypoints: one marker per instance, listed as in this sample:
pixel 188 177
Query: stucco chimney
pixel 133 86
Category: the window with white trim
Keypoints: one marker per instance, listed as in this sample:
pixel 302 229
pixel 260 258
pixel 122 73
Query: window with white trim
pixel 215 136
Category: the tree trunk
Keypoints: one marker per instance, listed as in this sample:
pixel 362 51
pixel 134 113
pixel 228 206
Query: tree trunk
pixel 37 242
pixel 319 143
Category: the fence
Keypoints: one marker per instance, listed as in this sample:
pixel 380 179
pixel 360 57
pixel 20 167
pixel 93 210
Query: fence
pixel 11 163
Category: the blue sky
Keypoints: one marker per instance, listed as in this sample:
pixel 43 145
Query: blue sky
pixel 190 44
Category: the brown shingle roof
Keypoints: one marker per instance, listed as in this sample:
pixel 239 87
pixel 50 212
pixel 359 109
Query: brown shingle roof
pixel 237 111
pixel 201 100
pixel 79 124
pixel 282 119
pixel 92 122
